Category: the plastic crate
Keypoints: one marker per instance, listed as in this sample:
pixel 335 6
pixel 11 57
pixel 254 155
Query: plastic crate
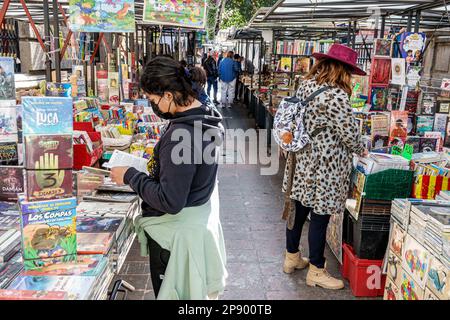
pixel 388 185
pixel 371 236
pixel 347 233
pixel 357 272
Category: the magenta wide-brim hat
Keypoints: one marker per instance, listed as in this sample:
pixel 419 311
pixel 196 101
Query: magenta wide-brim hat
pixel 342 54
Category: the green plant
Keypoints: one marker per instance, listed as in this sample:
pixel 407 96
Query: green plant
pixel 239 12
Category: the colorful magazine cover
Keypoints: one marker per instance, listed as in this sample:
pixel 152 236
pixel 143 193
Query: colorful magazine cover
pixel 77 287
pixel 47 235
pixel 85 265
pixel 98 224
pixel 378 99
pixel 381 71
pixel 47 115
pixel 8 124
pixel 191 14
pixel 54 89
pixel 11 182
pixel 440 122
pixel 398 128
pixel 428 106
pixel 398 66
pixel 7 82
pixel 382 47
pixel 9 153
pixel 102 16
pixel 40 149
pixel 412 100
pixel 94 243
pixel 424 124
pixel 412 46
pixel 48 184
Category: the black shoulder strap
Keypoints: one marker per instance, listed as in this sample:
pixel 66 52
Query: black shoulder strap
pixel 315 94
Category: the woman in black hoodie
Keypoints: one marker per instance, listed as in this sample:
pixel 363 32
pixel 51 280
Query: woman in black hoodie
pixel 183 169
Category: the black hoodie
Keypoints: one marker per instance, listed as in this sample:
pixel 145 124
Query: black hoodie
pixel 173 184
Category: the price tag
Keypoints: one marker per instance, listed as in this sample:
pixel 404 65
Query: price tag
pixel 396 150
pixel 408 151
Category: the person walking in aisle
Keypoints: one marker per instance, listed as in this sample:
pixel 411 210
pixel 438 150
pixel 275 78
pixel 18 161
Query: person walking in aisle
pixel 238 71
pixel 227 76
pixel 319 175
pixel 180 227
pixel 212 73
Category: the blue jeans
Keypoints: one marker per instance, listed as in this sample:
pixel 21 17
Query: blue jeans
pixel 212 82
pixel 316 235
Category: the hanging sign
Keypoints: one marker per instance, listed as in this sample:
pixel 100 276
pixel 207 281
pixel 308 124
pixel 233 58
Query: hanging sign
pixel 102 16
pixel 191 14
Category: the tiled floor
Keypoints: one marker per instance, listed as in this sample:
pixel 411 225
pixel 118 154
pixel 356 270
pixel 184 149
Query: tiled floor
pixel 254 235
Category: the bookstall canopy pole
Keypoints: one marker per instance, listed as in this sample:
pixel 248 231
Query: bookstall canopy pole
pixel 417 22
pixel 410 18
pixel 56 40
pixel 383 26
pixel 95 38
pixel 354 34
pixel 48 62
pixel 349 30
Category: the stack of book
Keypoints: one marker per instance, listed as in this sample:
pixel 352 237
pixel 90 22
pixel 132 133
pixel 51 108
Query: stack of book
pixel 400 212
pixel 9 244
pixel 418 221
pixel 377 162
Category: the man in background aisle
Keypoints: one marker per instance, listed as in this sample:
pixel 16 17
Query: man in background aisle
pixel 238 71
pixel 227 76
pixel 212 73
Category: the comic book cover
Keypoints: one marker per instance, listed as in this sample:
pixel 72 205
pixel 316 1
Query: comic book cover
pixel 412 100
pixel 11 182
pixel 76 287
pixel 382 47
pixel 7 82
pixel 414 141
pixel 381 71
pixel 8 124
pixel 94 243
pixel 428 104
pixel 46 235
pixel 429 144
pixel 438 136
pixel 424 124
pixel 48 184
pixel 378 99
pixel 9 153
pixel 27 207
pixel 98 224
pixel 398 130
pixel 47 115
pixel 440 122
pixel 54 89
pixel 412 46
pixel 48 152
pixel 85 265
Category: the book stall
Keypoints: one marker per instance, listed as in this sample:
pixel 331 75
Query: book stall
pixel 397 215
pixel 65 228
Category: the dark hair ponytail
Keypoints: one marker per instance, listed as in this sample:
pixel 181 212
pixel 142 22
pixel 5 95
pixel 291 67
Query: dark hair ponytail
pixel 163 74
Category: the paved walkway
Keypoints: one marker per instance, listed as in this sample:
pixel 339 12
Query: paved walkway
pixel 250 205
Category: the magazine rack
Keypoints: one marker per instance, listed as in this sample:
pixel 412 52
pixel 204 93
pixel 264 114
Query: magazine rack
pixel 82 156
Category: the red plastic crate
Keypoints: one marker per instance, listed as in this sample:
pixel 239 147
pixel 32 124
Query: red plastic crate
pixel 356 272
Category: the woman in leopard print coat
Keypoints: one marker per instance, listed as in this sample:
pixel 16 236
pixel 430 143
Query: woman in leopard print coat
pixel 322 169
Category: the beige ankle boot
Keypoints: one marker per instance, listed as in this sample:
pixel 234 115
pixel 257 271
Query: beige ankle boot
pixel 294 261
pixel 321 278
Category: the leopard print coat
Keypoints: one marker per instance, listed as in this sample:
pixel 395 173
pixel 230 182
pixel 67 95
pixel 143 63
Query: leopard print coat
pixel 323 168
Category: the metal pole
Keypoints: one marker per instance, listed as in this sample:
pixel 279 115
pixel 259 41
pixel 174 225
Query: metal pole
pixel 48 62
pixel 354 34
pixel 383 26
pixel 417 24
pixel 95 37
pixel 349 32
pixel 409 25
pixel 56 40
